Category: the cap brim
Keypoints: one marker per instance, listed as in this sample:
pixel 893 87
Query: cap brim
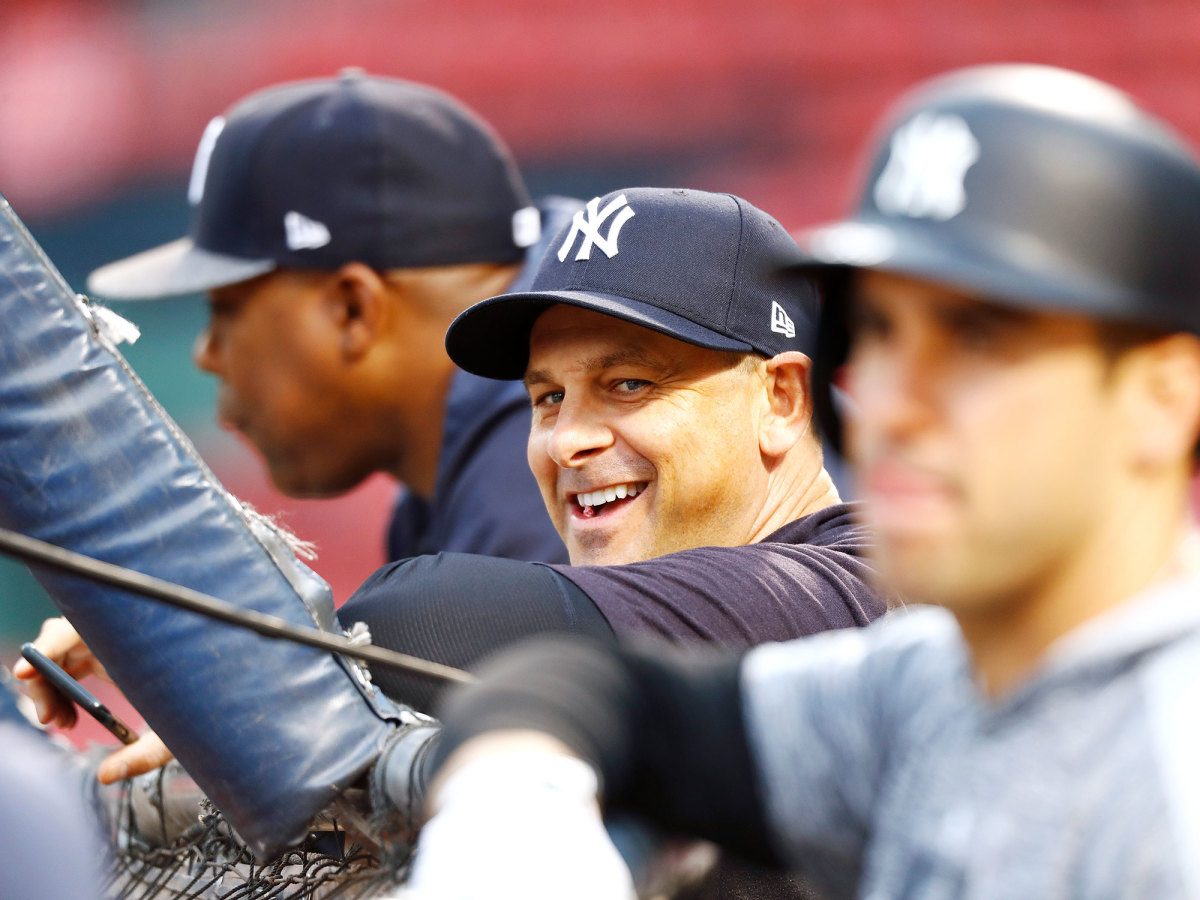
pixel 1007 269
pixel 172 270
pixel 491 338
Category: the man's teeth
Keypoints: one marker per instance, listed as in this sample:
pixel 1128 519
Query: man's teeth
pixel 608 494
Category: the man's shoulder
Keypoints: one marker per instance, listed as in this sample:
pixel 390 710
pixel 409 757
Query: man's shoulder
pixel 902 635
pixel 485 500
pixel 913 660
pixel 775 589
pixel 485 427
pixel 836 527
pixel 1171 683
pixel 828 542
pixel 832 534
pixel 473 398
pixel 554 211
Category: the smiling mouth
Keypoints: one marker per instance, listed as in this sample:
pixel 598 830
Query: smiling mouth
pixel 590 504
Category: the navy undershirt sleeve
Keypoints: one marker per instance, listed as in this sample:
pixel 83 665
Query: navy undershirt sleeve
pixel 811 575
pixel 665 731
pixel 457 608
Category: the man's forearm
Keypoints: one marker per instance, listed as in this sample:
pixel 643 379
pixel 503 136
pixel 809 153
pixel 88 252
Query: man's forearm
pixel 653 724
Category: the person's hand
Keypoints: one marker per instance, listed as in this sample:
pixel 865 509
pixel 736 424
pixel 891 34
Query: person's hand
pixel 59 640
pixel 144 755
pixel 518 826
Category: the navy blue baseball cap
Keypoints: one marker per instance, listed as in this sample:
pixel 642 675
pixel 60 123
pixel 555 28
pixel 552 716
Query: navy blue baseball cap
pixel 708 269
pixel 317 173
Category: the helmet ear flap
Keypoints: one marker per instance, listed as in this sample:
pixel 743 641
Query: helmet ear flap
pixel 833 346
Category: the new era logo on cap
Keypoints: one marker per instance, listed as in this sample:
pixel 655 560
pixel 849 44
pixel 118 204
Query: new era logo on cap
pixel 781 322
pixel 316 173
pixel 303 233
pixel 707 269
pixel 590 228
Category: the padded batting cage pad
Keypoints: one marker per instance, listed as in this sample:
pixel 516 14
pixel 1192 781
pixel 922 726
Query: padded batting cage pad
pixel 271 731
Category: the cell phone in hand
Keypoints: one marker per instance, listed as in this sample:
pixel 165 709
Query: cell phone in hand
pixel 74 691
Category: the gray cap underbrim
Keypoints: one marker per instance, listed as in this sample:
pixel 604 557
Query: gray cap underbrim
pixel 1010 269
pixel 172 270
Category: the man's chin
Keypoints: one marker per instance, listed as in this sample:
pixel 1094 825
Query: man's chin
pixel 914 567
pixel 602 554
pixel 300 485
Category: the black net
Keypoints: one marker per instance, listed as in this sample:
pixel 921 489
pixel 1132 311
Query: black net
pixel 170 842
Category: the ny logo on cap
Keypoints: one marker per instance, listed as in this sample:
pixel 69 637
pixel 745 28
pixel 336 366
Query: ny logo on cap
pixel 590 228
pixel 924 174
pixel 208 140
pixel 781 322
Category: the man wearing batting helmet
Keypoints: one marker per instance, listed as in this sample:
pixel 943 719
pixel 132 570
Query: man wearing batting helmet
pixel 1014 311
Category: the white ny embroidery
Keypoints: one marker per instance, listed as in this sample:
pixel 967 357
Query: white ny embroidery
pixel 929 159
pixel 590 228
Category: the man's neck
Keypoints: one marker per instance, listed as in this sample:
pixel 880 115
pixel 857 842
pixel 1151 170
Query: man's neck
pixel 418 467
pixel 800 487
pixel 1012 640
pixel 433 298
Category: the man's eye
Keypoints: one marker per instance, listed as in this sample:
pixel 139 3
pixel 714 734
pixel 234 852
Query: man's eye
pixel 629 385
pixel 223 310
pixel 548 398
pixel 867 323
pixel 980 333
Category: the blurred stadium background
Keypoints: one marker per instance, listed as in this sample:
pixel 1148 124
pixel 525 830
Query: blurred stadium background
pixel 102 102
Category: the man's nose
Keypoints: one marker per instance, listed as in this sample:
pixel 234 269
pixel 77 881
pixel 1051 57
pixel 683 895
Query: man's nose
pixel 579 433
pixel 205 352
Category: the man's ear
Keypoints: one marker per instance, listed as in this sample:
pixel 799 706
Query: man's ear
pixel 1167 417
pixel 357 305
pixel 789 402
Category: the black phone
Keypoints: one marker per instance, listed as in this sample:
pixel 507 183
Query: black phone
pixel 73 690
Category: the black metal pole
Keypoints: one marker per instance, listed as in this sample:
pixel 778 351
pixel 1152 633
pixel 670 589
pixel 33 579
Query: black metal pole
pixel 32 550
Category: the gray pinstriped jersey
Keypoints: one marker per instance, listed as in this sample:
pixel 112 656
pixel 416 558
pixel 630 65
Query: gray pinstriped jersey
pixel 888 775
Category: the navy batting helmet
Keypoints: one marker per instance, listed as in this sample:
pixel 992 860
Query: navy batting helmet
pixel 1032 186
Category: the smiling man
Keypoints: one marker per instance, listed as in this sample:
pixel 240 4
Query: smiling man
pixel 666 363
pixel 663 345
pixel 623 468
pixel 665 359
pixel 1014 308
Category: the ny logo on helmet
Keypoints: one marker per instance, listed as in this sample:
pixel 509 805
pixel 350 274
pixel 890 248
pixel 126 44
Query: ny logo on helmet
pixel 590 228
pixel 929 159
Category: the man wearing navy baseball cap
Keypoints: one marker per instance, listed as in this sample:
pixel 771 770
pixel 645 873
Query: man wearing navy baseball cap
pixel 657 343
pixel 338 226
pixel 664 346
